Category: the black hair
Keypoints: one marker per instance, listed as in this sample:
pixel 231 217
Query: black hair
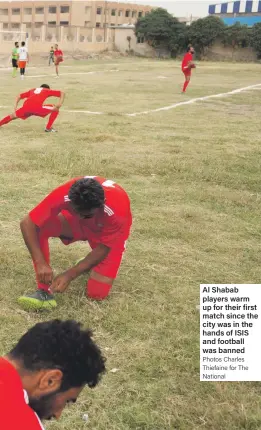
pixel 86 194
pixel 23 43
pixel 45 86
pixel 61 345
pixel 16 43
pixel 188 48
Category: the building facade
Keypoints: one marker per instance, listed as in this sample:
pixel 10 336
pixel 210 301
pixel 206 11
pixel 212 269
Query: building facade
pixel 247 12
pixel 91 14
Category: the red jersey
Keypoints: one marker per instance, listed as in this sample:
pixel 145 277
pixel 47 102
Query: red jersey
pixel 15 412
pixel 109 226
pixel 186 59
pixel 58 53
pixel 37 96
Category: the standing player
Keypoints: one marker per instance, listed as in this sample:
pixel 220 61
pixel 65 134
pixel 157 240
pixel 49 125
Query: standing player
pixel 187 65
pixel 58 58
pixel 51 56
pixel 34 106
pixel 45 371
pixel 89 209
pixel 15 55
pixel 23 59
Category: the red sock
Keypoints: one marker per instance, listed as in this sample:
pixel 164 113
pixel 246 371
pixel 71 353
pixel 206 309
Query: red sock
pixel 50 229
pixel 5 120
pixel 52 118
pixel 185 86
pixel 97 290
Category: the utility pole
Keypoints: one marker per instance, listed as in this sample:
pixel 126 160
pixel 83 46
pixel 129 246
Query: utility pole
pixel 105 21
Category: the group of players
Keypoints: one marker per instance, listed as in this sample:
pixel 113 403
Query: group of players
pixel 20 58
pixel 53 361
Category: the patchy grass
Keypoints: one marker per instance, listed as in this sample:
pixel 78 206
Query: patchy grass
pixel 193 175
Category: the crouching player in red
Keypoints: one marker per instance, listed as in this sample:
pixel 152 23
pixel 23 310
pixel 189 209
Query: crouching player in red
pixel 90 209
pixel 34 106
pixel 187 65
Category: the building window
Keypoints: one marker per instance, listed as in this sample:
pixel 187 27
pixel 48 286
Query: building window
pixel 39 10
pixel 28 25
pixel 15 26
pixel 16 11
pixel 5 25
pixel 64 23
pixel 3 11
pixel 140 14
pixel 140 39
pixel 52 23
pixel 99 11
pixel 65 9
pixel 127 13
pixel 98 24
pixel 38 24
pixel 120 12
pixel 52 9
pixel 113 12
pixel 134 14
pixel 28 11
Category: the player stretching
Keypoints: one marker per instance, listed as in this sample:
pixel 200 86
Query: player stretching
pixel 58 58
pixel 187 65
pixel 34 106
pixel 90 209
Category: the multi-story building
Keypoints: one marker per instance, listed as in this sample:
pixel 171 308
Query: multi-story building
pixel 245 12
pixel 79 13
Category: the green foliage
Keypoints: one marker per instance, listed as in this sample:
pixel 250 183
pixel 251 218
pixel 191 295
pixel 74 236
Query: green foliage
pixel 160 29
pixel 256 39
pixel 203 32
pixel 236 35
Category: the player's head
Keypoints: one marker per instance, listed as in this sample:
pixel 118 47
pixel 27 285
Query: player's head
pixel 45 86
pixel 190 49
pixel 16 44
pixel 23 44
pixel 56 46
pixel 86 196
pixel 55 360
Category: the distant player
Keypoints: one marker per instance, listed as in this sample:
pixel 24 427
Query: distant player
pixel 58 58
pixel 45 371
pixel 91 209
pixel 15 56
pixel 187 65
pixel 23 59
pixel 34 106
pixel 51 56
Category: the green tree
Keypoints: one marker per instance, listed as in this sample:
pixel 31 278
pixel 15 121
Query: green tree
pixel 162 30
pixel 203 32
pixel 236 35
pixel 255 39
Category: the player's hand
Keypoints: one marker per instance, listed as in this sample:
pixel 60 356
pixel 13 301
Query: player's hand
pixel 44 273
pixel 60 283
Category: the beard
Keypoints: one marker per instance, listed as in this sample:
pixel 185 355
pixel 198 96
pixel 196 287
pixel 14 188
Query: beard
pixel 43 406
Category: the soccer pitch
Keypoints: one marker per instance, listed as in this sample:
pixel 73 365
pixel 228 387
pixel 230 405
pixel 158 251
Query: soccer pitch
pixel 193 175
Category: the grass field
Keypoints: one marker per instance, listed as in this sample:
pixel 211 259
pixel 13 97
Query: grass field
pixel 193 175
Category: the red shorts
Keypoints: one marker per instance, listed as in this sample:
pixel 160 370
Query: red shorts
pixel 110 265
pixel 22 64
pixel 187 72
pixel 26 111
pixel 58 60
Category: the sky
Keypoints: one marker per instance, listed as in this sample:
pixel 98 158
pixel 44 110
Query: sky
pixel 182 7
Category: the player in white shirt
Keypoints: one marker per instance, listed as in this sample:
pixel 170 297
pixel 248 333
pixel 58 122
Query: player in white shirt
pixel 23 59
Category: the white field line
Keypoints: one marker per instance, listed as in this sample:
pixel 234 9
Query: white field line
pixel 198 99
pixel 173 106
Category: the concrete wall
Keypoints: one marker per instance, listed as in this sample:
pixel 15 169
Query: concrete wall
pixel 122 44
pixel 218 52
